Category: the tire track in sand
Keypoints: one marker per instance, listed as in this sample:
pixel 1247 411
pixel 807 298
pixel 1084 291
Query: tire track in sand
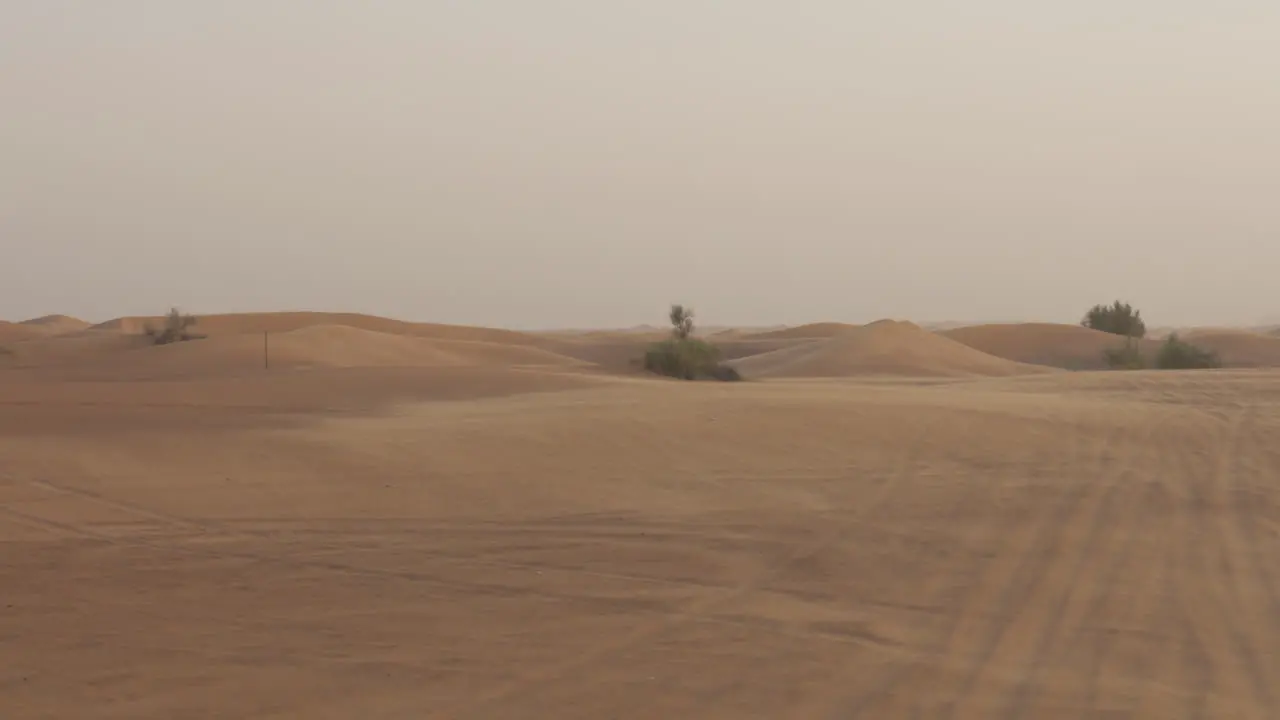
pixel 1214 665
pixel 40 523
pixel 1040 540
pixel 1234 522
pixel 1131 639
pixel 695 610
pixel 1182 661
pixel 1081 593
pixel 960 622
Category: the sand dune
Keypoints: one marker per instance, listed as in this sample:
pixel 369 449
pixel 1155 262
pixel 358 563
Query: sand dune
pixel 1071 347
pixel 15 332
pixel 1238 348
pixel 886 347
pixel 805 332
pixel 56 324
pixel 82 347
pixel 624 354
pixel 312 346
pixel 279 322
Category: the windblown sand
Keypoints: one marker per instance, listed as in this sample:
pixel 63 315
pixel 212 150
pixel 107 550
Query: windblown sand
pixel 408 521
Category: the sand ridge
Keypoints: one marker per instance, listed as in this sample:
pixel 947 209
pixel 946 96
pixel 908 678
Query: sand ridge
pixel 1238 348
pixel 278 322
pixel 16 332
pixel 886 347
pixel 56 324
pixel 311 346
pixel 805 332
pixel 1070 347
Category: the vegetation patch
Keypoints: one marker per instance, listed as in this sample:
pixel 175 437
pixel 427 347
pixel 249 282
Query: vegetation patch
pixel 176 327
pixel 685 357
pixel 1121 319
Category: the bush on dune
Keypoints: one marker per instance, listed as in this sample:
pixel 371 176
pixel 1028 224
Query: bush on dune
pixel 1118 319
pixel 1121 319
pixel 176 328
pixel 1125 357
pixel 1177 354
pixel 685 357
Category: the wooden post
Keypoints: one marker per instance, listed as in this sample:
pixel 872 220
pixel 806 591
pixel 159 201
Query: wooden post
pixel 266 357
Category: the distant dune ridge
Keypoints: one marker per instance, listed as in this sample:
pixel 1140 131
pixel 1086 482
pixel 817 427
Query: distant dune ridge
pixel 233 344
pixel 1238 348
pixel 56 324
pixel 315 346
pixel 1070 347
pixel 805 332
pixel 276 322
pixel 886 347
pixel 14 332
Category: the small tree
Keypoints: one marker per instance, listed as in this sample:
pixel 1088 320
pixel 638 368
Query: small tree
pixel 175 328
pixel 684 356
pixel 1176 354
pixel 681 322
pixel 1118 319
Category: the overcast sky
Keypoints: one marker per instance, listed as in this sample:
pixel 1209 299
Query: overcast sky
pixel 553 163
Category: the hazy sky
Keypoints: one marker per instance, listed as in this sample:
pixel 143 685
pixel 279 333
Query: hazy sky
pixel 552 163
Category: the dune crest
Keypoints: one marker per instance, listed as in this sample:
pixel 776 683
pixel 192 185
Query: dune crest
pixel 56 324
pixel 16 332
pixel 323 346
pixel 1238 348
pixel 885 347
pixel 1070 347
pixel 811 331
pixel 279 322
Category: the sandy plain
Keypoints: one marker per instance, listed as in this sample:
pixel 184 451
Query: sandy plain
pixel 400 520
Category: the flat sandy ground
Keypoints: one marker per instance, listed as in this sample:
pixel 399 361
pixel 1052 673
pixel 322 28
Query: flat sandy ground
pixel 366 543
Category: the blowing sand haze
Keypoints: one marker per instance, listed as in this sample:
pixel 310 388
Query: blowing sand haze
pixel 417 443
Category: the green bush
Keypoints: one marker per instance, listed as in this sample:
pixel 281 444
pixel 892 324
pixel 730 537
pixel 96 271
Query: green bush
pixel 1125 357
pixel 1118 319
pixel 1177 354
pixel 688 359
pixel 684 356
pixel 175 329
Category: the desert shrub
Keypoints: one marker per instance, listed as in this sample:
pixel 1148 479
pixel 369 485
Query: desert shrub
pixel 687 359
pixel 681 319
pixel 1118 319
pixel 176 328
pixel 684 356
pixel 1125 357
pixel 1177 354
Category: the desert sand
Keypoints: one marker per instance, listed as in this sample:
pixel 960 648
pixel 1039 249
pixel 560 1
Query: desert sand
pixel 404 520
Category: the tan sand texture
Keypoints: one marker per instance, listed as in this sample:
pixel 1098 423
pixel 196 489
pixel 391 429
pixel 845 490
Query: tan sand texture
pixel 886 347
pixel 806 332
pixel 1070 347
pixel 276 322
pixel 14 332
pixel 56 324
pixel 1238 348
pixel 398 525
